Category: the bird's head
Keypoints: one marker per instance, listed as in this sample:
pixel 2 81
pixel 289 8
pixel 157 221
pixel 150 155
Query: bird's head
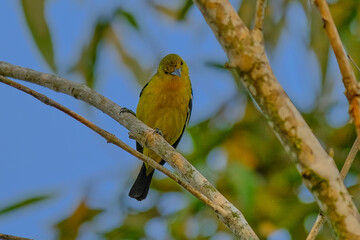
pixel 173 66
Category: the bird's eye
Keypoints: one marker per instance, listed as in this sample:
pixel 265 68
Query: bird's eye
pixel 181 63
pixel 166 72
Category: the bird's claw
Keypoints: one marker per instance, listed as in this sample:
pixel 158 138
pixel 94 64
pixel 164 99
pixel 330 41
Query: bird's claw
pixel 131 136
pixel 126 110
pixel 158 131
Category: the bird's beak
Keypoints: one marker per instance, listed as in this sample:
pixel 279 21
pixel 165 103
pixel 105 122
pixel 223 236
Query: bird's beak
pixel 176 72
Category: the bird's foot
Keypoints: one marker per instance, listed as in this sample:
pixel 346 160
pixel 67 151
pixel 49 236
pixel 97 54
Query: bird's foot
pixel 126 110
pixel 158 131
pixel 131 136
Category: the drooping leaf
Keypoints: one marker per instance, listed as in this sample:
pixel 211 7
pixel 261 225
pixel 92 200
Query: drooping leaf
pixel 273 30
pixel 24 203
pixel 216 65
pixel 141 75
pixel 247 11
pixel 69 227
pixel 185 9
pixel 343 13
pixel 128 16
pixel 168 12
pixel 175 14
pixel 34 12
pixel 86 64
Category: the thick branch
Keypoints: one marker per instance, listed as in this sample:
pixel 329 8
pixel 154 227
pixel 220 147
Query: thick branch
pixel 349 79
pixel 232 218
pixel 320 220
pixel 248 60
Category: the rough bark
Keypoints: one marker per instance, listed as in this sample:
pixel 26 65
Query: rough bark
pixel 247 58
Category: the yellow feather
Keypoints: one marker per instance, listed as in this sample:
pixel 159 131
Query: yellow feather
pixel 164 102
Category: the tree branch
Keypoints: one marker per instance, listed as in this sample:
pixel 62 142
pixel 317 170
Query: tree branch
pixel 111 138
pixel 349 79
pixel 230 215
pixel 260 13
pixel 11 237
pixel 350 158
pixel 248 60
pixel 320 220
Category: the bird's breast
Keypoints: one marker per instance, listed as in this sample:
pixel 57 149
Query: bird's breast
pixel 165 107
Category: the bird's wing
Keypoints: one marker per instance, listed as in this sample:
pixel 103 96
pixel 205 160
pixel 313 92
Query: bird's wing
pixel 140 148
pixel 144 88
pixel 188 115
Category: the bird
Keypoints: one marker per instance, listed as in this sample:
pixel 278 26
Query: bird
pixel 165 105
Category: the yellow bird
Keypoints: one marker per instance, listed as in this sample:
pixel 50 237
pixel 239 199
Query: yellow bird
pixel 165 104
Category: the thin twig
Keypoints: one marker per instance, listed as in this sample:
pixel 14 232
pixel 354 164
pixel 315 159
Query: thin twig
pixel 320 220
pixel 111 138
pixel 349 80
pixel 350 158
pixel 260 13
pixel 353 62
pixel 11 237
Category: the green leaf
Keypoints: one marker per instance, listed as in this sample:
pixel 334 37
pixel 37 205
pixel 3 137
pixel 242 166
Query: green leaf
pixel 129 17
pixel 246 11
pixel 23 203
pixel 86 64
pixel 141 75
pixel 215 65
pixel 185 9
pixel 34 12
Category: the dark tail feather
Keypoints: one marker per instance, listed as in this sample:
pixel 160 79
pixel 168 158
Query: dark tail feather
pixel 141 186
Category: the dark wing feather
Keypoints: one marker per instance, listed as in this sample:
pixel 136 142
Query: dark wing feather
pixel 144 88
pixel 188 115
pixel 139 148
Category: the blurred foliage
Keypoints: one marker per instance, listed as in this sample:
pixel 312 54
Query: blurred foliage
pixel 34 12
pixel 178 14
pixel 68 228
pixel 87 60
pixel 130 229
pixel 24 203
pixel 128 16
pixel 256 174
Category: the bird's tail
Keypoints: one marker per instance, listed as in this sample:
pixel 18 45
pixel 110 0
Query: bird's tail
pixel 141 186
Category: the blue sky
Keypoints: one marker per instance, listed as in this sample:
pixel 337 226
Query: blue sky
pixel 43 151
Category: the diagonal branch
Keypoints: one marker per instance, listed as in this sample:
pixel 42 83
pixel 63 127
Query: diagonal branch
pixel 232 217
pixel 111 138
pixel 320 220
pixel 349 80
pixel 248 60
